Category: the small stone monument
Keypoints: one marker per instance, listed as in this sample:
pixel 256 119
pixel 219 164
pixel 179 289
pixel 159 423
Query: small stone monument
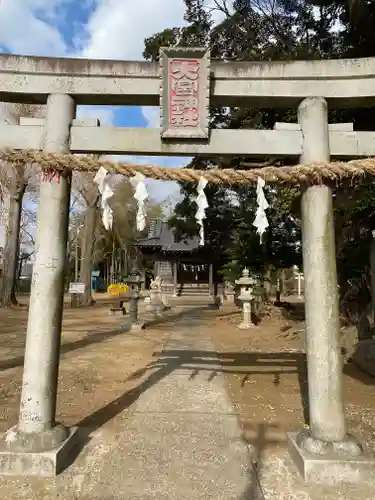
pixel 156 304
pixel 246 296
pixel 159 282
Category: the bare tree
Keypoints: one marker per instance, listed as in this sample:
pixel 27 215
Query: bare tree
pixel 84 184
pixel 28 221
pixel 15 180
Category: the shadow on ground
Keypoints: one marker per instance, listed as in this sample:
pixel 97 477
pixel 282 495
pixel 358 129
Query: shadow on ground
pixel 198 362
pixel 353 371
pixel 95 336
pixel 258 445
pixel 195 362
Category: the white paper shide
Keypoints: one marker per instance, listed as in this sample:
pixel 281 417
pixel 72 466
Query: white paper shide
pixel 202 203
pixel 261 222
pixel 102 180
pixel 141 195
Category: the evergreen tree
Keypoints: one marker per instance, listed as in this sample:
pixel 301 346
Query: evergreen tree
pixel 254 30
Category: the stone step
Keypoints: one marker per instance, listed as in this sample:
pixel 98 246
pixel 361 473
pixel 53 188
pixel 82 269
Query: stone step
pixel 194 292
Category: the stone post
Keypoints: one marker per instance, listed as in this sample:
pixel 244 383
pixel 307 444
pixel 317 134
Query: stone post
pixel 327 436
pixel 37 433
pixel 299 285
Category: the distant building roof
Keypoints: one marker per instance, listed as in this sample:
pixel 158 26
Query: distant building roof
pixel 162 237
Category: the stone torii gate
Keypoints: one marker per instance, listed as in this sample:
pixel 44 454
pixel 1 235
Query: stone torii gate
pixel 184 84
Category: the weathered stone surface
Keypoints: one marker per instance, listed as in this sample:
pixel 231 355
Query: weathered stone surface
pixel 251 143
pixel 284 83
pixel 332 468
pixel 324 359
pixel 43 463
pixel 36 442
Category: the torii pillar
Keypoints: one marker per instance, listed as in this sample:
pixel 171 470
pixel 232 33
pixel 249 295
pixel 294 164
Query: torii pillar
pixel 325 452
pixel 38 445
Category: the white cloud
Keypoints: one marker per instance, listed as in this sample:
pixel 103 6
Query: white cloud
pixel 117 28
pixel 152 113
pixel 23 30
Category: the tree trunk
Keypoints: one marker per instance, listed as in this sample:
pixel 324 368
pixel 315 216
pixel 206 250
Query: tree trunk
pixel 87 253
pixel 11 251
pixel 267 283
pixel 107 271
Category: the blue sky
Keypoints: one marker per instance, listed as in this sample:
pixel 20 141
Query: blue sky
pixel 98 29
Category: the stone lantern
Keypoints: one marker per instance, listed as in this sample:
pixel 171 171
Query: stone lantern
pixel 134 281
pixel 246 296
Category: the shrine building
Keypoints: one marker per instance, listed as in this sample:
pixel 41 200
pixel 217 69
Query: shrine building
pixel 183 265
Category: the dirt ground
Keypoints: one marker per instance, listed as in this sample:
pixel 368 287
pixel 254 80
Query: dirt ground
pixel 98 364
pixel 266 376
pixel 101 367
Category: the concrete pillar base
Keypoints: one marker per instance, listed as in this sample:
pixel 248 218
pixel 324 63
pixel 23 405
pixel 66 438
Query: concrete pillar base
pixel 23 455
pixel 137 326
pixel 332 463
pixel 132 327
pixel 245 326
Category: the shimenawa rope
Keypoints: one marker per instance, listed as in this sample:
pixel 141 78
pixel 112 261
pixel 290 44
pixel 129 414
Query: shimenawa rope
pixel 315 173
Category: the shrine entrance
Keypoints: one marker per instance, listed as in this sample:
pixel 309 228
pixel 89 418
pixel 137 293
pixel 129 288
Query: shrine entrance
pixel 185 84
pixel 182 265
pixel 193 273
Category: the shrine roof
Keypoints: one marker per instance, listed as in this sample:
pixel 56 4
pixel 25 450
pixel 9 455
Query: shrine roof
pixel 162 237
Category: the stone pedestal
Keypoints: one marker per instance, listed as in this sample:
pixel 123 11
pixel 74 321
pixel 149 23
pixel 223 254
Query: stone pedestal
pixel 246 321
pixel 331 463
pixel 148 305
pixel 37 445
pixel 157 306
pixel 135 323
pixel 43 455
pixel 134 281
pixel 136 327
